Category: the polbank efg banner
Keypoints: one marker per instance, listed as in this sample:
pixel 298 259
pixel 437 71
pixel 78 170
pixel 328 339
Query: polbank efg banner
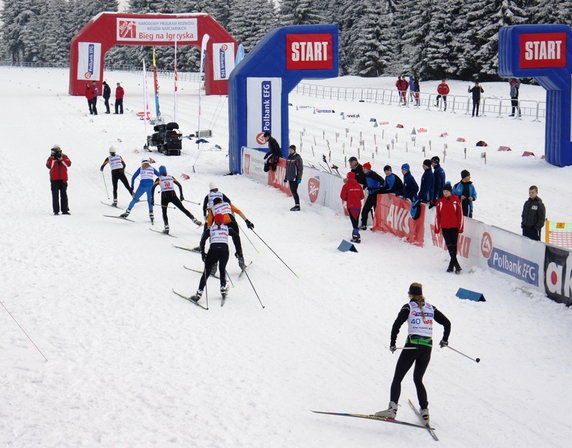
pixel 263 111
pixel 223 60
pixel 89 55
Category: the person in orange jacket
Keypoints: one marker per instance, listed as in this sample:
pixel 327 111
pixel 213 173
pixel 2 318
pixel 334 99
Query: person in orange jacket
pixel 227 210
pixel 352 195
pixel 449 219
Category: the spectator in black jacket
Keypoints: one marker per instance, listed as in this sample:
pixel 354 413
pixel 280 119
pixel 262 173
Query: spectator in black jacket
pixel 533 215
pixel 426 188
pixel 357 169
pixel 438 178
pixel 476 90
pixel 273 155
pixel 106 95
pixel 410 187
pixel 393 183
pixel 294 169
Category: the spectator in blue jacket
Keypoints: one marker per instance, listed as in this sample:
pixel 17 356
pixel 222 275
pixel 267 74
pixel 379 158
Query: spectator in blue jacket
pixel 374 187
pixel 393 183
pixel 438 178
pixel 410 187
pixel 426 192
pixel 466 192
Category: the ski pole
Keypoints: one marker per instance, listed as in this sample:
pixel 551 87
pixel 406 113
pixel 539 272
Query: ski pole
pixel 229 277
pixel 24 331
pixel 402 348
pixel 249 240
pixel 206 285
pixel 105 183
pixel 477 360
pixel 275 253
pixel 192 202
pixel 254 289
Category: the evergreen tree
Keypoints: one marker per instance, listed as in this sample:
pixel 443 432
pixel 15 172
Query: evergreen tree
pixel 551 11
pixel 20 22
pixel 439 43
pixel 250 20
pixel 415 17
pixel 300 12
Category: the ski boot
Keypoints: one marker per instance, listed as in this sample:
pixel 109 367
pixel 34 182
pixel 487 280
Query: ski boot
pixel 114 203
pixel 197 296
pixel 356 238
pixel 425 416
pixel 166 230
pixel 197 222
pixel 390 412
pixel 125 214
pixel 296 208
pixel 241 262
pixel 223 291
pixel 151 217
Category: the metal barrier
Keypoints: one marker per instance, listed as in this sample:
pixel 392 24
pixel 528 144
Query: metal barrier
pixel 455 103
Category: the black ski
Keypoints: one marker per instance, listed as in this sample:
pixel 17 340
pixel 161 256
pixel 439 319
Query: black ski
pixel 161 232
pixel 193 249
pixel 118 217
pixel 425 425
pixel 109 205
pixel 190 299
pixel 199 271
pixel 372 417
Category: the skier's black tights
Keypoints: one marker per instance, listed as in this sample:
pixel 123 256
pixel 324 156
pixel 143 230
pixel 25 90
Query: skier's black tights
pixel 421 357
pixel 218 253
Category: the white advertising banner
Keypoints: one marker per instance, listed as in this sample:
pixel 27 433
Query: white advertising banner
pixel 263 110
pixel 157 30
pixel 88 61
pixel 223 60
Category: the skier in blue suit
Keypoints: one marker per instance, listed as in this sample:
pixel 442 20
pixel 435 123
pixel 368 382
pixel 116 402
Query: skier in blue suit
pixel 148 174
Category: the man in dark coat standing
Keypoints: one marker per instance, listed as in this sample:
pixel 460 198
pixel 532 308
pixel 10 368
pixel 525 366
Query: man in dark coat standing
pixel 106 95
pixel 476 91
pixel 533 215
pixel 357 169
pixel 294 169
pixel 438 178
pixel 410 187
pixel 272 157
pixel 426 189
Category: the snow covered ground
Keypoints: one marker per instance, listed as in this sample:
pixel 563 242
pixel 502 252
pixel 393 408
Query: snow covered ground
pixel 130 364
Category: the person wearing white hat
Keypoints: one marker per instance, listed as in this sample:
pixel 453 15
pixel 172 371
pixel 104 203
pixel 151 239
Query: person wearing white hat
pixel 210 197
pixel 148 174
pixel 117 166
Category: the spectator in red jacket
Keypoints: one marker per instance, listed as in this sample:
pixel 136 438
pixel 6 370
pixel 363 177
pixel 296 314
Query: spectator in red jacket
pixel 58 164
pixel 443 91
pixel 119 94
pixel 91 95
pixel 402 86
pixel 352 195
pixel 449 219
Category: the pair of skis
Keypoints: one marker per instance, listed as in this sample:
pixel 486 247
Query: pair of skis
pixel 423 425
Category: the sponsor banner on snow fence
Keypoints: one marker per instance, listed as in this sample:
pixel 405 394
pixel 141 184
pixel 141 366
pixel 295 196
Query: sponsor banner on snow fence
pixel 156 29
pixel 558 274
pixel 264 108
pixel 223 60
pixel 88 62
pixel 392 216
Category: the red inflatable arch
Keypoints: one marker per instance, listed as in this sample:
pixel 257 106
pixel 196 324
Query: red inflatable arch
pixel 107 29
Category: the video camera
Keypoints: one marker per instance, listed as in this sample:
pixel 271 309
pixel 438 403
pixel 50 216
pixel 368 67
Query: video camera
pixel 57 152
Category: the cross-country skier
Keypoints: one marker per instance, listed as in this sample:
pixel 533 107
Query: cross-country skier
pixel 210 197
pixel 168 195
pixel 352 195
pixel 420 316
pixel 218 253
pixel 227 211
pixel 117 166
pixel 148 174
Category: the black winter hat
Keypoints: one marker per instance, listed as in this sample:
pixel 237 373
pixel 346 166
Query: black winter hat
pixel 464 174
pixel 448 187
pixel 386 168
pixel 427 163
pixel 435 159
pixel 352 159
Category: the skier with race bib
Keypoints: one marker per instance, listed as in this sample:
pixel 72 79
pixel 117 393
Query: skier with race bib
pixel 218 234
pixel 148 174
pixel 117 166
pixel 420 316
pixel 168 195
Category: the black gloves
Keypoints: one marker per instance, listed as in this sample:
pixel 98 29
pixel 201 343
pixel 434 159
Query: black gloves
pixel 249 224
pixel 443 343
pixel 182 198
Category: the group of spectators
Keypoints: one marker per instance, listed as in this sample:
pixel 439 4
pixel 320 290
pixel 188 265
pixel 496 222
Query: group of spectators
pixel 402 85
pixel 92 92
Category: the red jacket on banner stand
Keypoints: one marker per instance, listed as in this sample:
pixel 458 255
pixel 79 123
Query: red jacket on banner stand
pixel 449 214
